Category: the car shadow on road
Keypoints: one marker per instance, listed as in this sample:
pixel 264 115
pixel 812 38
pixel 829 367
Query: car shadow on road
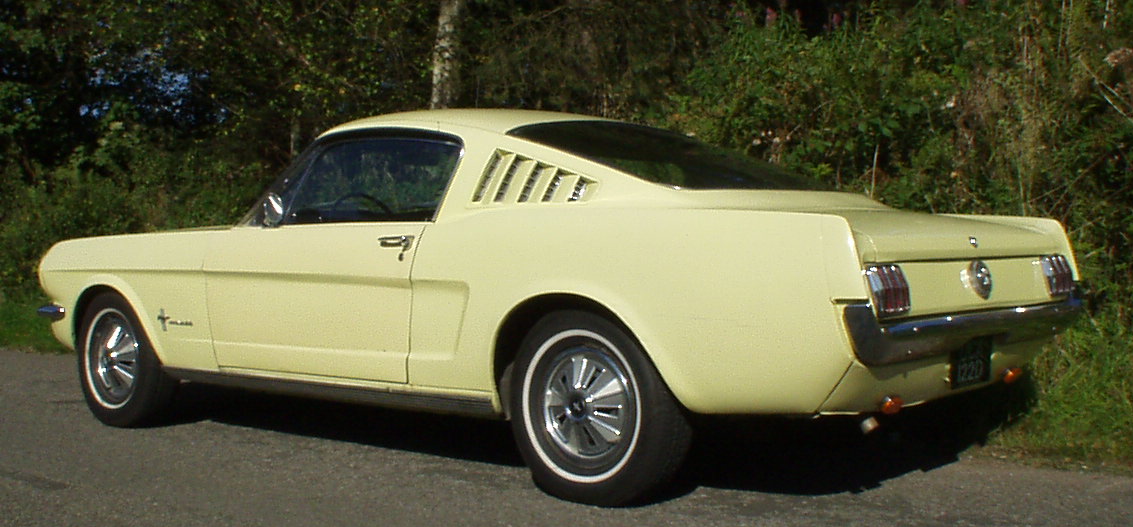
pixel 759 454
pixel 831 455
pixel 480 440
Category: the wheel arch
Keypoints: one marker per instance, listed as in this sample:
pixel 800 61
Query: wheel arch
pixel 83 302
pixel 113 285
pixel 523 317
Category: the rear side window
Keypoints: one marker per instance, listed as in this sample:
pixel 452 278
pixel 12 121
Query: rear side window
pixel 662 157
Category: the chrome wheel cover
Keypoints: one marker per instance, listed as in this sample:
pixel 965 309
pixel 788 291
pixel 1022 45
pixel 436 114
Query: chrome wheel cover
pixel 586 405
pixel 111 358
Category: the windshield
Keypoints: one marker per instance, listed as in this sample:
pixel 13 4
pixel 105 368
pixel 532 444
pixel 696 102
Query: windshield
pixel 663 157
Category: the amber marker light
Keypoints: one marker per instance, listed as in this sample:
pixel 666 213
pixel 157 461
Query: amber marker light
pixel 1010 375
pixel 891 405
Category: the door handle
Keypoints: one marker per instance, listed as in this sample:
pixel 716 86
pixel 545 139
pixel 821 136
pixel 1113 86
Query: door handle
pixel 404 241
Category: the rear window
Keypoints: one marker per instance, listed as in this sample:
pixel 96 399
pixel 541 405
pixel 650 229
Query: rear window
pixel 662 157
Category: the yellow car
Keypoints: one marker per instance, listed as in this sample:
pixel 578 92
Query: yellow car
pixel 593 281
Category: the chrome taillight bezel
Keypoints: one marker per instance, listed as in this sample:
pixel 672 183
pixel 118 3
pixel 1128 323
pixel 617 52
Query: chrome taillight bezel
pixel 1058 273
pixel 889 289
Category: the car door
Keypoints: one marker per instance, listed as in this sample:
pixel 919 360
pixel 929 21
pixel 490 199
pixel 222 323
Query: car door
pixel 321 288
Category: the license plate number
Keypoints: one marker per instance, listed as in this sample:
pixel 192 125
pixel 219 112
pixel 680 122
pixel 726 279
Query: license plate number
pixel 971 364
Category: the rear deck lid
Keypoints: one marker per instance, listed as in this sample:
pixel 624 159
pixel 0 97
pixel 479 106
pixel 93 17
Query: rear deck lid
pixel 898 236
pixel 885 234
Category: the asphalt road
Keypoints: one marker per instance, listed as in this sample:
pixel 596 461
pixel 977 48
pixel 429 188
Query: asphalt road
pixel 229 457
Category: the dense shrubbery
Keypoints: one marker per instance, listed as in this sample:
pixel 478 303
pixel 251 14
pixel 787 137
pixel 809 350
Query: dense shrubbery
pixel 123 183
pixel 1003 108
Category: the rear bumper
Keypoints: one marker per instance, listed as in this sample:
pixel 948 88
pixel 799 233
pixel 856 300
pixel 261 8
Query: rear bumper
pixel 878 344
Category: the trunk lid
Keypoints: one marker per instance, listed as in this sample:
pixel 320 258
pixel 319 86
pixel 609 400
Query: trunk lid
pixel 885 234
pixel 899 236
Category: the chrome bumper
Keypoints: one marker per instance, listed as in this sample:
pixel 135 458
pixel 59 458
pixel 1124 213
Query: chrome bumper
pixel 54 312
pixel 878 344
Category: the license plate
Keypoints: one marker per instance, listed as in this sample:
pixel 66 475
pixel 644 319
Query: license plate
pixel 971 364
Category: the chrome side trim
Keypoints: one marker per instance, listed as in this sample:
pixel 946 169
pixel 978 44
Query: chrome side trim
pixel 449 404
pixel 55 312
pixel 878 344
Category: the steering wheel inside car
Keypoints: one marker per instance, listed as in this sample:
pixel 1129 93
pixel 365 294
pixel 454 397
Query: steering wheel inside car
pixel 366 197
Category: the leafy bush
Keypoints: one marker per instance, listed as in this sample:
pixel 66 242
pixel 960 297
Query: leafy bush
pixel 124 183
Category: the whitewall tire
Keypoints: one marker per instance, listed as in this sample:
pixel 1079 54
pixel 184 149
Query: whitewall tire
pixel 590 414
pixel 122 379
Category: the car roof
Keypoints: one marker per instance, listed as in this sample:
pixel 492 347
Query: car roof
pixel 494 120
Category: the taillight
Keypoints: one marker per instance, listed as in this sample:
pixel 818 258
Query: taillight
pixel 1059 276
pixel 889 288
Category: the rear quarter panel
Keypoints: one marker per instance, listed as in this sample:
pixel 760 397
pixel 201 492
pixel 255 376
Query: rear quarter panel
pixel 737 309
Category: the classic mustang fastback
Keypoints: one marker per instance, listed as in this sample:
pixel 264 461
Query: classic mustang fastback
pixel 593 281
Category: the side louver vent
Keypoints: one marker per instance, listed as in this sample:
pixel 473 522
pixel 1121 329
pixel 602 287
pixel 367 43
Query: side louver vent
pixel 487 178
pixel 512 178
pixel 579 190
pixel 552 186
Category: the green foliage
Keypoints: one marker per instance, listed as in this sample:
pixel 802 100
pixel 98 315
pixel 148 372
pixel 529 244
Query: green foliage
pixel 123 183
pixel 121 116
pixel 598 57
pixel 1083 409
pixel 44 84
pixel 272 75
pixel 859 107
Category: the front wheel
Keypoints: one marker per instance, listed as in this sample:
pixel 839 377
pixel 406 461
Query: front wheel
pixel 122 379
pixel 590 414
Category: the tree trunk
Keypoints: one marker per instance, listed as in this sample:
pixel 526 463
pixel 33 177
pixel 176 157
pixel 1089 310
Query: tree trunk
pixel 446 67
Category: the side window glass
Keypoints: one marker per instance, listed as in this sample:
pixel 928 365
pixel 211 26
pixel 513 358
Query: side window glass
pixel 379 179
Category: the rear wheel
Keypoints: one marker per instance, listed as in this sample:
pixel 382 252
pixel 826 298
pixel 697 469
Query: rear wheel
pixel 590 414
pixel 121 376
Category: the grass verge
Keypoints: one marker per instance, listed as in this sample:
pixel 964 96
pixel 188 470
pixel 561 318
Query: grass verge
pixel 1081 403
